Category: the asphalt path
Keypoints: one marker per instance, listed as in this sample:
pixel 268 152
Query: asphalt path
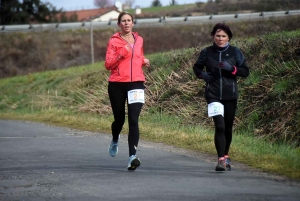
pixel 41 162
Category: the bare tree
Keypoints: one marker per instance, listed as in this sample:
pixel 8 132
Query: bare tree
pixel 129 3
pixel 102 3
pixel 156 3
pixel 173 2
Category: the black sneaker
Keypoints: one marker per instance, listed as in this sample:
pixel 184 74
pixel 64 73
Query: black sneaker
pixel 227 161
pixel 221 166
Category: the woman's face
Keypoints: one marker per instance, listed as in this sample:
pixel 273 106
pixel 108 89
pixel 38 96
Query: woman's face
pixel 126 24
pixel 221 38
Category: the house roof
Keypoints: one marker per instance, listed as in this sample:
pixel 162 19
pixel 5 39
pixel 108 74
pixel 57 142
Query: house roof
pixel 86 15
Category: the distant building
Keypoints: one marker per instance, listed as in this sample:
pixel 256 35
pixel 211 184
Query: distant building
pixel 96 15
pixel 138 10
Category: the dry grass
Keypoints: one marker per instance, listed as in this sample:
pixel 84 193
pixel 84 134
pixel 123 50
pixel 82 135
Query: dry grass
pixel 23 53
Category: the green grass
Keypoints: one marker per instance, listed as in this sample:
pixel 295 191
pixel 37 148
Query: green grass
pixel 77 98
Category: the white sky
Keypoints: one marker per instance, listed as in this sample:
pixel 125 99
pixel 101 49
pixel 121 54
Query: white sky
pixel 89 4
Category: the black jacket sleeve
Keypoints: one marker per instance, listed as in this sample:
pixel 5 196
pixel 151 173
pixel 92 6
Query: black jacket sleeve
pixel 242 68
pixel 200 63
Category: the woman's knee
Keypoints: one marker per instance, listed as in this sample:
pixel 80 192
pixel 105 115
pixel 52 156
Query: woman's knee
pixel 220 128
pixel 119 121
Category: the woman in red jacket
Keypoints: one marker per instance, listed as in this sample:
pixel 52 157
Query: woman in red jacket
pixel 125 59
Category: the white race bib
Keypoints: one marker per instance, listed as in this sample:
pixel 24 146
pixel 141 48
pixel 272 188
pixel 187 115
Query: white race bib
pixel 136 96
pixel 215 108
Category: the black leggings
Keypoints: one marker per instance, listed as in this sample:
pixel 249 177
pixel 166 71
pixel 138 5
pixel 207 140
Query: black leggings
pixel 223 126
pixel 117 92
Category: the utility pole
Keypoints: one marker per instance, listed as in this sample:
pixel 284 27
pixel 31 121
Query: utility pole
pixel 92 40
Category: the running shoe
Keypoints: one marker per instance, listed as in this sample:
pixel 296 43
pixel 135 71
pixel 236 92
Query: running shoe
pixel 133 162
pixel 113 148
pixel 227 161
pixel 221 166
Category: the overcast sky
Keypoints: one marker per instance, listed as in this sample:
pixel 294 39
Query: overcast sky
pixel 89 4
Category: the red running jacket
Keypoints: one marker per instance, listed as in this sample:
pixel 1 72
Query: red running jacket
pixel 125 66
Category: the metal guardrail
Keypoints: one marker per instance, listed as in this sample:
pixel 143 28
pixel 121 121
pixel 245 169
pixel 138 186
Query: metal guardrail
pixel 162 21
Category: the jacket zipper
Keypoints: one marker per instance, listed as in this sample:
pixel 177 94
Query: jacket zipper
pixel 233 86
pixel 221 84
pixel 131 55
pixel 131 61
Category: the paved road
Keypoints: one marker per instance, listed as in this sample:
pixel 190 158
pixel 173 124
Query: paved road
pixel 40 162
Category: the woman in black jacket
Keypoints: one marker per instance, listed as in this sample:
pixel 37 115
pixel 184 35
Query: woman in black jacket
pixel 223 63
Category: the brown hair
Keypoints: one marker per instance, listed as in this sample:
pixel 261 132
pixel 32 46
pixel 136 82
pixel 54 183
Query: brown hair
pixel 122 14
pixel 224 27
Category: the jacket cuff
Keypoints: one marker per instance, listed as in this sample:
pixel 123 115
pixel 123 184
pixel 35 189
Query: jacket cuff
pixel 234 70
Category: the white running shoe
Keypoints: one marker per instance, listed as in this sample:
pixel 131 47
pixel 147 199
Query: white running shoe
pixel 133 162
pixel 113 148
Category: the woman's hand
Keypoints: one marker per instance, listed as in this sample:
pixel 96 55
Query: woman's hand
pixel 147 62
pixel 206 77
pixel 226 66
pixel 127 47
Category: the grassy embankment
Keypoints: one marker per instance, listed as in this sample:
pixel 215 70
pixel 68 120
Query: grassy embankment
pixel 175 112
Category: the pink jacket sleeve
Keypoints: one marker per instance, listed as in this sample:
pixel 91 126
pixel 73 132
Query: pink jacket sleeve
pixel 114 55
pixel 143 57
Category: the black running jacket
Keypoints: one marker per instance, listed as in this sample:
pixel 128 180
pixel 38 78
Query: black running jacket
pixel 224 85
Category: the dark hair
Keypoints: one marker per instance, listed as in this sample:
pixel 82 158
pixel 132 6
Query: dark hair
pixel 224 27
pixel 122 14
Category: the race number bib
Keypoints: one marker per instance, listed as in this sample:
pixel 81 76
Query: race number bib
pixel 215 108
pixel 136 96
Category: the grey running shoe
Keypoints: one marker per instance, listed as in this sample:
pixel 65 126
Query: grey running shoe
pixel 113 148
pixel 227 161
pixel 221 166
pixel 133 162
